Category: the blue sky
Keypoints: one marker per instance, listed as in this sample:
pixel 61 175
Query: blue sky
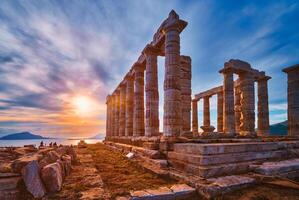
pixel 52 53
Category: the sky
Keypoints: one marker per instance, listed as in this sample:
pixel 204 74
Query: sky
pixel 60 59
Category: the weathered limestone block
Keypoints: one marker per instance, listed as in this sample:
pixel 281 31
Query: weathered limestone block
pixel 67 162
pixel 186 93
pixel 247 104
pixel 69 151
pixel 172 121
pixel 220 112
pixel 52 177
pixel 293 99
pixel 129 105
pixel 32 180
pixel 138 122
pixel 19 163
pixel 49 158
pixel 263 106
pixel 122 110
pixel 183 191
pixel 152 93
pixel 228 102
pixel 194 117
pixel 207 128
pixel 280 167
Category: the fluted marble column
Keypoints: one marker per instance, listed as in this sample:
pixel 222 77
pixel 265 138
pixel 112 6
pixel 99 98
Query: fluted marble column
pixel 263 106
pixel 186 93
pixel 108 118
pixel 293 99
pixel 129 105
pixel 151 92
pixel 116 113
pixel 228 102
pixel 237 106
pixel 207 128
pixel 172 118
pixel 194 117
pixel 138 122
pixel 220 111
pixel 122 110
pixel 112 114
pixel 247 104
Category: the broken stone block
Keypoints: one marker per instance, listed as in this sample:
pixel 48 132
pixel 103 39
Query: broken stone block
pixel 50 157
pixel 161 193
pixel 52 177
pixel 19 163
pixel 183 191
pixel 32 180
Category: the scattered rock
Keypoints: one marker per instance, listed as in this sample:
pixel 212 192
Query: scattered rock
pixel 32 180
pixel 52 177
pixel 50 157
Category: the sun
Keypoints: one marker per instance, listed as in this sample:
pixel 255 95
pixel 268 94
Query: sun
pixel 83 106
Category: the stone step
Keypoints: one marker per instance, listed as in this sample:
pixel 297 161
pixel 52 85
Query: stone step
pixel 213 170
pixel 221 148
pixel 204 160
pixel 277 168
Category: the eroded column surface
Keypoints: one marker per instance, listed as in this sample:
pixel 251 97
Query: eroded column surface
pixel 122 110
pixel 220 111
pixel 151 91
pixel 116 113
pixel 237 105
pixel 228 102
pixel 138 122
pixel 263 106
pixel 172 118
pixel 293 99
pixel 186 93
pixel 247 104
pixel 129 105
pixel 194 118
pixel 207 128
pixel 108 118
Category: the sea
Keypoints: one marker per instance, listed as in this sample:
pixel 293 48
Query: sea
pixel 36 142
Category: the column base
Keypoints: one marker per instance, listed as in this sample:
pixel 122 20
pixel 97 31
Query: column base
pixel 207 129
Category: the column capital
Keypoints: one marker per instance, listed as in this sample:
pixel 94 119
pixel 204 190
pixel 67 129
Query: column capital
pixel 137 67
pixel 226 70
pixel 151 50
pixel 291 69
pixel 264 78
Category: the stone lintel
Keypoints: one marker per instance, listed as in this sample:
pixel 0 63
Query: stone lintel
pixel 151 50
pixel 209 92
pixel 291 68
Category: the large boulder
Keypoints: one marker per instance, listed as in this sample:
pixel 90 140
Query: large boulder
pixel 52 177
pixel 32 180
pixel 50 157
pixel 19 163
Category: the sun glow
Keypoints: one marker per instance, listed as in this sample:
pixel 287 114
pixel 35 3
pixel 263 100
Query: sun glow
pixel 84 106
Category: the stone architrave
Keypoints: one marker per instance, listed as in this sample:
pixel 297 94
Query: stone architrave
pixel 129 105
pixel 122 109
pixel 237 106
pixel 186 93
pixel 228 101
pixel 151 91
pixel 116 113
pixel 138 122
pixel 293 99
pixel 263 126
pixel 172 118
pixel 220 112
pixel 247 104
pixel 194 117
pixel 207 128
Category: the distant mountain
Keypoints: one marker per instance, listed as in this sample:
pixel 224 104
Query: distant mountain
pixel 22 136
pixel 98 136
pixel 279 128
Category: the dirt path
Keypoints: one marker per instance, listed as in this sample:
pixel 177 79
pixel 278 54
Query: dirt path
pixel 105 174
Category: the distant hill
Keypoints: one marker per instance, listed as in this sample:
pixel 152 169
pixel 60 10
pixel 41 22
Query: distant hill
pixel 279 128
pixel 98 136
pixel 22 136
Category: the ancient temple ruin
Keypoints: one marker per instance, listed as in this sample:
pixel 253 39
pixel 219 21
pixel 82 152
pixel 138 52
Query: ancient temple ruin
pixel 235 146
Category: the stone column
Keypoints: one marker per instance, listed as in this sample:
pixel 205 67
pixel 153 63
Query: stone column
pixel 207 128
pixel 293 99
pixel 112 114
pixel 116 113
pixel 138 122
pixel 122 110
pixel 237 106
pixel 220 112
pixel 108 114
pixel 194 118
pixel 186 93
pixel 263 106
pixel 172 118
pixel 247 126
pixel 129 105
pixel 228 102
pixel 151 91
